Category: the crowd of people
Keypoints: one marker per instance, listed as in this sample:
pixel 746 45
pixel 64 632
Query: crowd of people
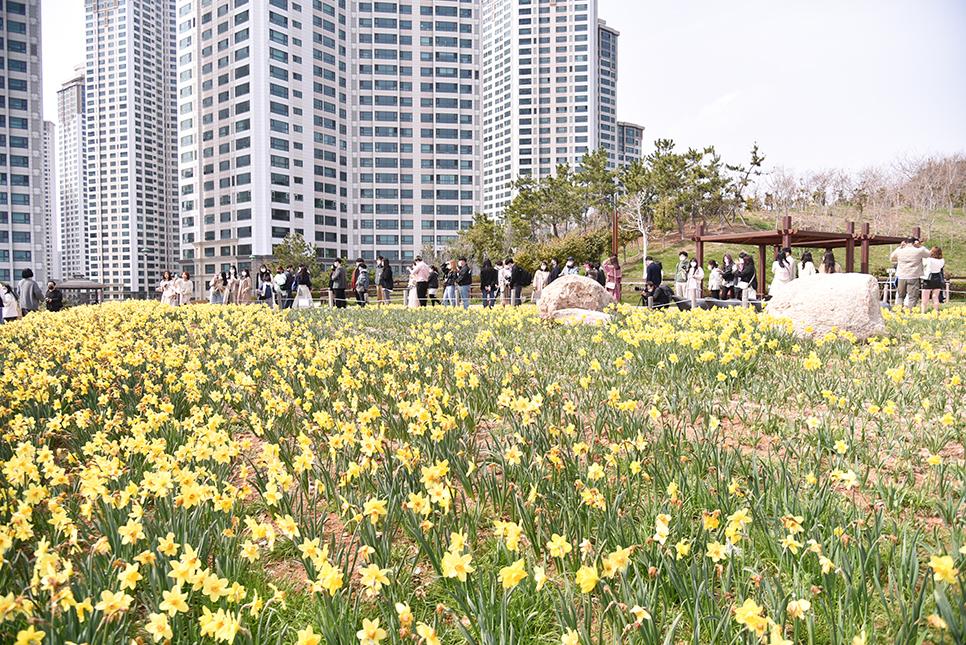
pixel 27 298
pixel 918 270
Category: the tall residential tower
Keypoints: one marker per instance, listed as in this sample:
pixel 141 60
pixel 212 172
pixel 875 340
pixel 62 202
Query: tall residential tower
pixel 357 127
pixel 23 232
pixel 72 176
pixel 549 90
pixel 131 109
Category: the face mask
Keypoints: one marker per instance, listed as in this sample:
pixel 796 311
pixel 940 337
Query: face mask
pixel 543 267
pixel 570 264
pixel 682 258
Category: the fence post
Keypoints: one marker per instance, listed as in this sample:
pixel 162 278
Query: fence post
pixel 694 301
pixel 744 297
pixel 650 302
pixel 331 302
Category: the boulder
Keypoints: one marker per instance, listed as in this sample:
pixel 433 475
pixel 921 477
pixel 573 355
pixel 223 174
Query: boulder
pixel 573 292
pixel 818 303
pixel 581 316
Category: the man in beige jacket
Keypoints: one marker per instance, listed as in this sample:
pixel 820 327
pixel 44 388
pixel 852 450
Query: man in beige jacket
pixel 908 258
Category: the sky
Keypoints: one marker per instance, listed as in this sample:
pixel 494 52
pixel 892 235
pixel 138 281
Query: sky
pixel 818 84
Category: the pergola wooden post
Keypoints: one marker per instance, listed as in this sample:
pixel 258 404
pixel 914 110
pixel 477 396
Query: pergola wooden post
pixel 700 245
pixel 788 237
pixel 850 247
pixel 865 248
pixel 761 270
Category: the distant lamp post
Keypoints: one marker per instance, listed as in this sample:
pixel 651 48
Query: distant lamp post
pixel 147 289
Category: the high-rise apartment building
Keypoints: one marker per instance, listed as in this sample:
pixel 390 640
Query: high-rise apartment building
pixel 630 140
pixel 72 176
pixel 131 142
pixel 607 91
pixel 357 127
pixel 23 233
pixel 51 254
pixel 545 68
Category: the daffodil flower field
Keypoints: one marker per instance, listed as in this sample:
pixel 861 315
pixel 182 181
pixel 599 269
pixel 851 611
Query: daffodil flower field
pixel 213 474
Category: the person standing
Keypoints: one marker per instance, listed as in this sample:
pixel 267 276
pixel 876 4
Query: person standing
pixel 488 283
pixel 464 282
pixel 216 289
pixel 169 294
pixel 450 271
pixel 54 297
pixel 288 288
pixel 613 277
pixel 571 268
pixel 908 258
pixel 654 273
pixel 385 279
pixel 421 274
pixel 729 277
pixel 681 275
pixel 360 282
pixel 337 283
pixel 185 288
pixel 514 282
pixel 933 283
pixel 303 289
pixel 11 307
pixel 501 282
pixel 29 292
pixel 540 279
pixel 715 281
pixel 231 287
pixel 747 279
pixel 695 280
pixel 554 270
pixel 245 288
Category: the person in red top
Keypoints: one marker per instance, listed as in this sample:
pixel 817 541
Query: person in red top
pixel 421 275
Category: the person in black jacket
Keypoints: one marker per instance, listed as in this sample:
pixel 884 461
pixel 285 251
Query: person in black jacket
pixel 433 287
pixel 515 283
pixel 654 271
pixel 488 280
pixel 747 279
pixel 337 284
pixel 385 278
pixel 554 270
pixel 464 281
pixel 54 297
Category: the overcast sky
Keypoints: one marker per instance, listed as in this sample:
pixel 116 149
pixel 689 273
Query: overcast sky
pixel 817 83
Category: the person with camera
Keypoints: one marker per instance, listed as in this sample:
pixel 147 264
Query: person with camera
pixel 908 258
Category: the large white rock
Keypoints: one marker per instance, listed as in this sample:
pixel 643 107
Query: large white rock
pixel 581 316
pixel 573 292
pixel 818 303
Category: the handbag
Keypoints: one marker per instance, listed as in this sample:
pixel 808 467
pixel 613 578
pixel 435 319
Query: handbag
pixel 743 285
pixel 610 285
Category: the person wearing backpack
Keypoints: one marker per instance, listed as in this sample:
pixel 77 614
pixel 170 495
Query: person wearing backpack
pixel 464 281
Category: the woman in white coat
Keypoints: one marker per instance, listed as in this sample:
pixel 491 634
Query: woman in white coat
pixel 695 280
pixel 168 289
pixel 185 288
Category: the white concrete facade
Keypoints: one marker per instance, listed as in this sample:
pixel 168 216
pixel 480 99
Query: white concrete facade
pixel 542 90
pixel 131 143
pixel 72 177
pixel 23 226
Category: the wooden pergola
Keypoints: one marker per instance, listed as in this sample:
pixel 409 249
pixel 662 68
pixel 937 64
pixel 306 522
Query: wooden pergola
pixel 787 237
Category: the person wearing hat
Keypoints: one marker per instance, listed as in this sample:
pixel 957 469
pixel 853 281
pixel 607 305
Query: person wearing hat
pixel 571 267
